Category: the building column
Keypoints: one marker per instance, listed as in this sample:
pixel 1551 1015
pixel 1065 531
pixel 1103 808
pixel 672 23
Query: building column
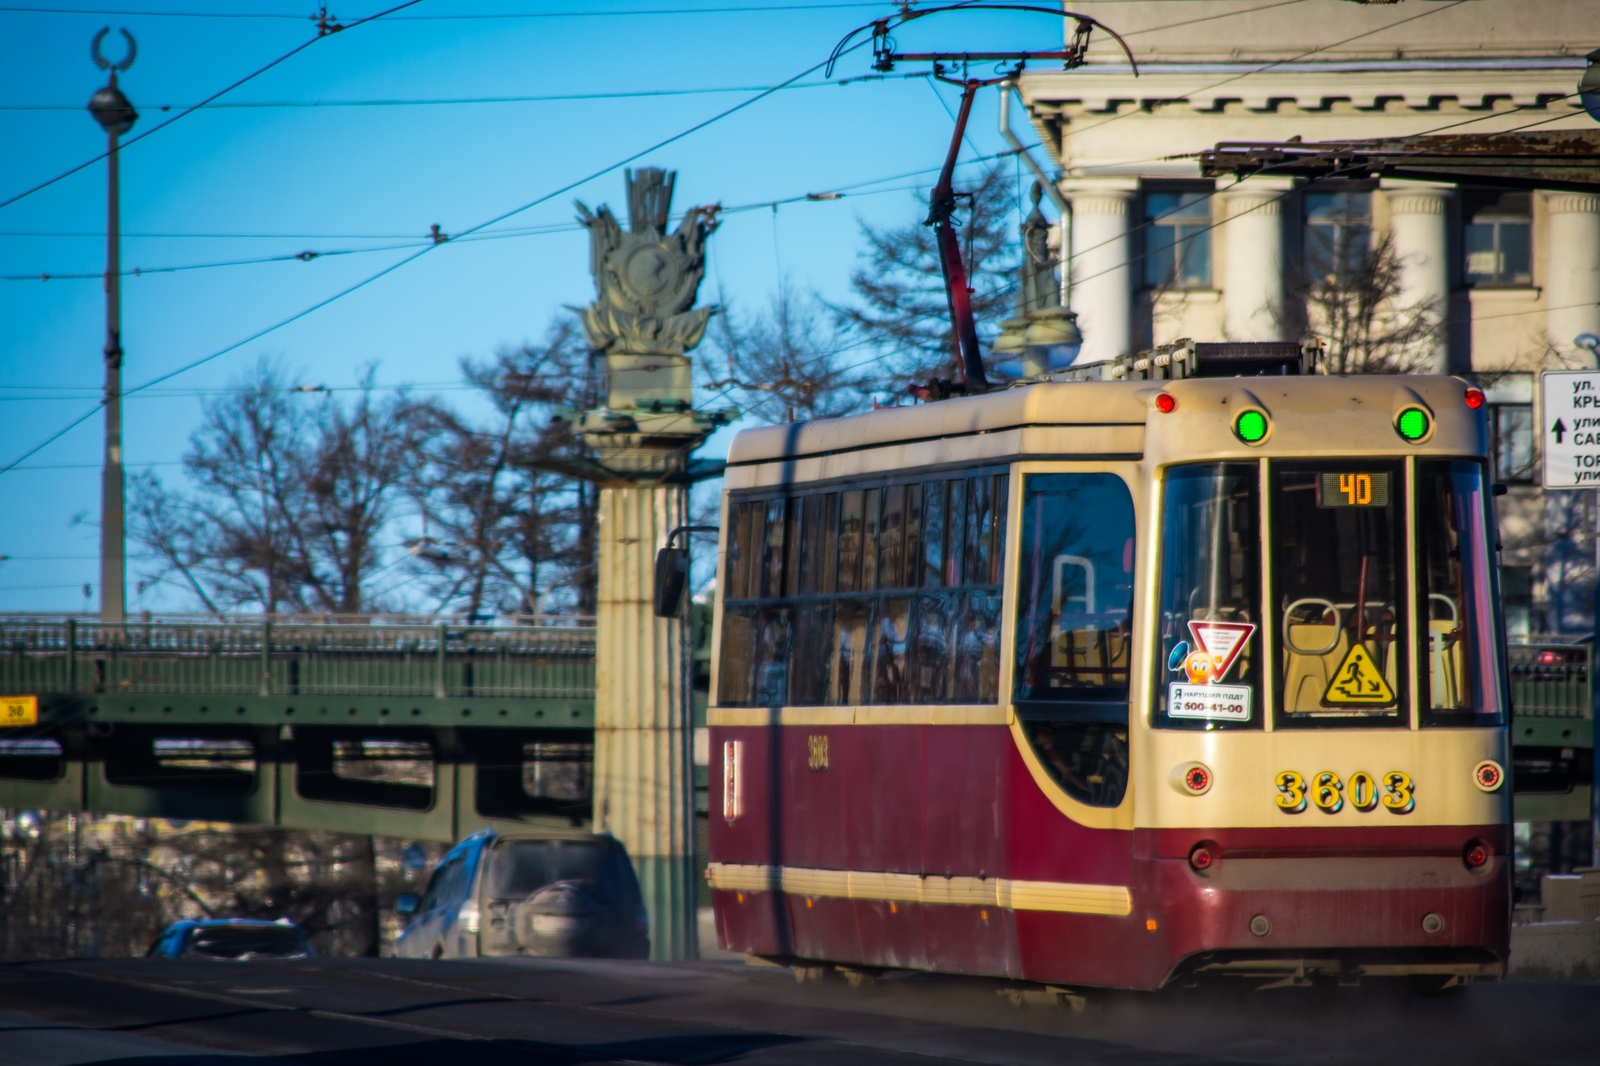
pixel 1417 224
pixel 1572 272
pixel 1102 271
pixel 1252 289
pixel 641 754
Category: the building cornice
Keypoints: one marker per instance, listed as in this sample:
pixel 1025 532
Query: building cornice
pixel 1318 87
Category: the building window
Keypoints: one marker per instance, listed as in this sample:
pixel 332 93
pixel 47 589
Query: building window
pixel 1338 235
pixel 1177 240
pixel 1498 238
pixel 1511 434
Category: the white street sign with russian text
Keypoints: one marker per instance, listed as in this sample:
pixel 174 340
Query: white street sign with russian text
pixel 1570 414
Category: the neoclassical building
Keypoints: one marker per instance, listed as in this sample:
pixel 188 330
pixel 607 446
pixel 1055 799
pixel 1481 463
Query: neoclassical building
pixel 1511 277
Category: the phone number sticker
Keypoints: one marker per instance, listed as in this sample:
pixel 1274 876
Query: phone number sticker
pixel 1217 703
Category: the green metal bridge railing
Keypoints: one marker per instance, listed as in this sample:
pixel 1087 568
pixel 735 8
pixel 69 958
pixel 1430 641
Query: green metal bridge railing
pixel 424 729
pixel 1552 730
pixel 260 671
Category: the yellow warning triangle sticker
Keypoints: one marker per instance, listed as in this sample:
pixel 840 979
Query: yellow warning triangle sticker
pixel 1358 682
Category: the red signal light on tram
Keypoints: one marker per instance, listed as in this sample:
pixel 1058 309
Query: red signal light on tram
pixel 1474 398
pixel 1476 855
pixel 1166 403
pixel 1202 857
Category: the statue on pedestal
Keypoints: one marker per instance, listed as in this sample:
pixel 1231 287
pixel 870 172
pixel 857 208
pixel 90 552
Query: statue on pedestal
pixel 642 323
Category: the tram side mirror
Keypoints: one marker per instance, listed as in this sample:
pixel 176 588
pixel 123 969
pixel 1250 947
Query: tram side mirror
pixel 672 576
pixel 405 904
pixel 1500 488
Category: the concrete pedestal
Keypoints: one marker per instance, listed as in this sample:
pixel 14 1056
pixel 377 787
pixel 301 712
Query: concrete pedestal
pixel 642 787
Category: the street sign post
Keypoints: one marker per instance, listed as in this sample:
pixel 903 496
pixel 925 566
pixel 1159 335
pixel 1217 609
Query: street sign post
pixel 1569 413
pixel 1570 425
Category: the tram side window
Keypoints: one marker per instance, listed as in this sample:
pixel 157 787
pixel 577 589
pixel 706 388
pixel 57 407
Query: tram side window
pixel 1457 599
pixel 1074 633
pixel 1208 664
pixel 1074 630
pixel 883 594
pixel 1338 573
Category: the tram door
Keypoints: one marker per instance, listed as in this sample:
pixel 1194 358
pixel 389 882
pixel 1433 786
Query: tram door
pixel 1074 642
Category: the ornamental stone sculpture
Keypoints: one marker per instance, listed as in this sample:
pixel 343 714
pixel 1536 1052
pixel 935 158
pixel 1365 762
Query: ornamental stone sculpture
pixel 647 278
pixel 641 326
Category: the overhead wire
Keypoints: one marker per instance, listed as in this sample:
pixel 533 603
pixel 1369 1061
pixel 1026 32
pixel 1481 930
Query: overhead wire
pixel 628 94
pixel 363 283
pixel 461 17
pixel 136 138
pixel 836 192
pixel 679 136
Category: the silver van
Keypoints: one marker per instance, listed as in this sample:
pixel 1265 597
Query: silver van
pixel 505 894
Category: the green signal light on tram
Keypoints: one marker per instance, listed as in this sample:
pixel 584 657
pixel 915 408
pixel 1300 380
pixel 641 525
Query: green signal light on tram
pixel 1250 427
pixel 1413 424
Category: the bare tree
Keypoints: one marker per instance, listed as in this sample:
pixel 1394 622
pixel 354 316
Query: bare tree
pixel 789 361
pixel 502 532
pixel 105 885
pixel 901 313
pixel 1355 309
pixel 288 496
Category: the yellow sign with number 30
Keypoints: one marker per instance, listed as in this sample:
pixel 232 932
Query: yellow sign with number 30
pixel 19 710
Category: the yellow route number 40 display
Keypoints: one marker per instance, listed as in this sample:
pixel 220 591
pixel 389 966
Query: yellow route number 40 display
pixel 19 710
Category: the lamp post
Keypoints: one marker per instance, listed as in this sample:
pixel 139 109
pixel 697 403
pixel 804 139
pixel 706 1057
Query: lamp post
pixel 116 116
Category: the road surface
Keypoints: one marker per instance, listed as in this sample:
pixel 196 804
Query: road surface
pixel 393 1012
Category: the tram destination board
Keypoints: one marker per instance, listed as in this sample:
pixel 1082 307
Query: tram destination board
pixel 1570 414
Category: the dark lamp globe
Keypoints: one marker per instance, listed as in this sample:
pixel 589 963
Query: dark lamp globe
pixel 112 110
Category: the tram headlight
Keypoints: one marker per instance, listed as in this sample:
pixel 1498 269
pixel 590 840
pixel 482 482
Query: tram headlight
pixel 1413 424
pixel 1251 426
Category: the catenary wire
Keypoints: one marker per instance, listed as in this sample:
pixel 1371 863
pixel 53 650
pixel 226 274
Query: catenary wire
pixel 492 234
pixel 632 94
pixel 510 15
pixel 296 50
pixel 363 283
pixel 685 133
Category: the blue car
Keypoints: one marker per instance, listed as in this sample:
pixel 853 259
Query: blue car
pixel 231 938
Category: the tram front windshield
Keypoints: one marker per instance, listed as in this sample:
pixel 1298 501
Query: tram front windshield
pixel 1338 560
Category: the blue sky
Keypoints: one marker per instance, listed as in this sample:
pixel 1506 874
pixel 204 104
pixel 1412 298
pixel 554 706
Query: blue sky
pixel 247 182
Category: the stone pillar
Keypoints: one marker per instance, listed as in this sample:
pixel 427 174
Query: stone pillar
pixel 1572 272
pixel 1417 223
pixel 643 323
pixel 641 737
pixel 1102 271
pixel 1252 288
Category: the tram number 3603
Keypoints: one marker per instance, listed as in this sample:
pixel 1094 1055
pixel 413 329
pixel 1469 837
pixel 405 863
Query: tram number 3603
pixel 1393 791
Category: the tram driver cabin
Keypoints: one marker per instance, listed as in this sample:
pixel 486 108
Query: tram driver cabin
pixel 1116 683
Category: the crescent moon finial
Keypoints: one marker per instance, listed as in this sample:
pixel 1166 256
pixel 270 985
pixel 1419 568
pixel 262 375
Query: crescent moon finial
pixel 105 64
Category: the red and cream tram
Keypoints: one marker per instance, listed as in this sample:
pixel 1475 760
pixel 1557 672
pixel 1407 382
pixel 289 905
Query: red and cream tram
pixel 1117 683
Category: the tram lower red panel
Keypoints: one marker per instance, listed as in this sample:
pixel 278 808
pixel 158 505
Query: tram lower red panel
pixel 957 801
